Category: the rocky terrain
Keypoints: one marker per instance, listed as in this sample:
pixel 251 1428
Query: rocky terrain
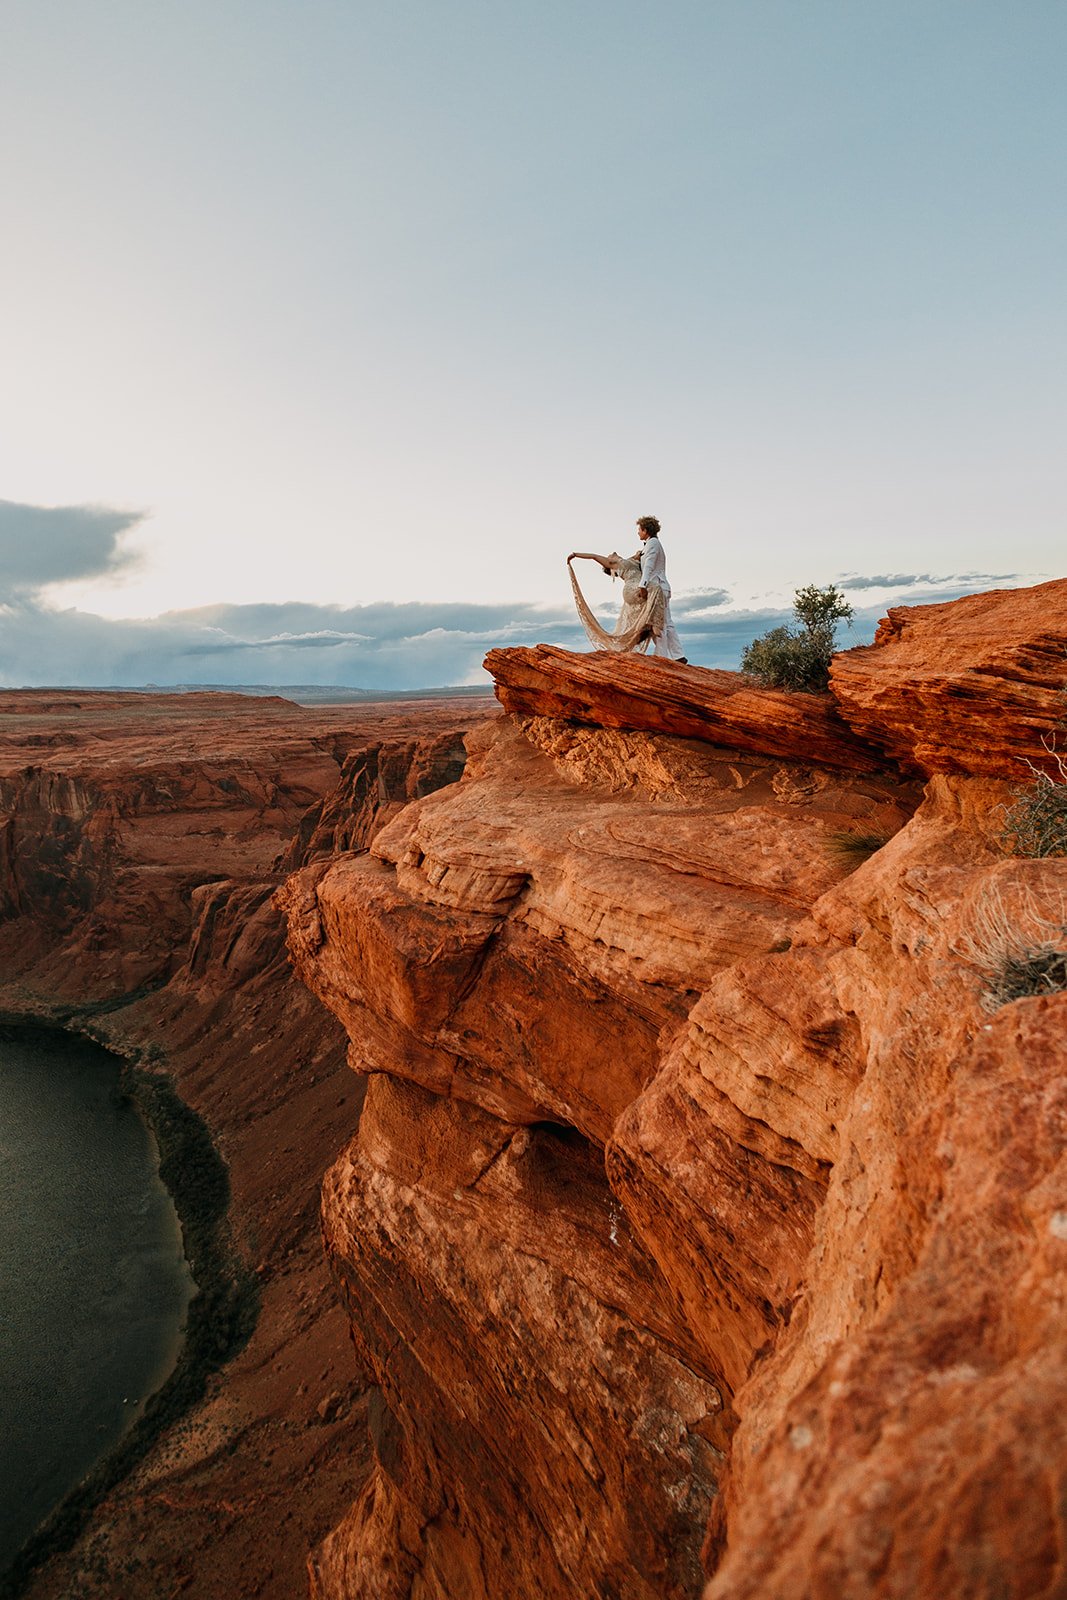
pixel 142 839
pixel 701 1226
pixel 698 1230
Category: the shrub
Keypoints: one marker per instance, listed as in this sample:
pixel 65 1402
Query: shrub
pixel 787 658
pixel 1033 970
pixel 1036 825
pixel 855 848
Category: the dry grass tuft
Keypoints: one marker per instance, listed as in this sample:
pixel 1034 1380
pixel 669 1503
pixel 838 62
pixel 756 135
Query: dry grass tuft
pixel 1021 952
pixel 855 848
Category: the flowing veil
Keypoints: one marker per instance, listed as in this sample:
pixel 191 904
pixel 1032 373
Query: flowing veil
pixel 638 619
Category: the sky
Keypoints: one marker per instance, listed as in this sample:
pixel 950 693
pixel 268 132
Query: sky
pixel 328 329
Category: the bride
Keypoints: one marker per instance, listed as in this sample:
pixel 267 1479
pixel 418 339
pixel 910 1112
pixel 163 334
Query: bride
pixel 638 620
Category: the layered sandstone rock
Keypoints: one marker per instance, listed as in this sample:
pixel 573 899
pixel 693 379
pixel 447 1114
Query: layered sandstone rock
pixel 515 962
pixel 376 781
pixel 974 685
pixel 656 1069
pixel 903 1436
pixel 116 807
pixel 700 1225
pixel 532 1388
pixel 655 695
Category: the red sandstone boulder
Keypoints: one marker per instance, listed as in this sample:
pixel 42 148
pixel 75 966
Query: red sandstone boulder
pixel 974 685
pixel 645 692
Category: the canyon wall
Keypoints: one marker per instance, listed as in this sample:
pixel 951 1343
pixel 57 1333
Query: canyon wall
pixel 143 837
pixel 701 1227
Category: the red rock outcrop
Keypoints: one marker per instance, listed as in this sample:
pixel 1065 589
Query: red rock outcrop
pixel 513 960
pixel 971 685
pixel 376 781
pixel 654 695
pixel 700 1220
pixel 903 1438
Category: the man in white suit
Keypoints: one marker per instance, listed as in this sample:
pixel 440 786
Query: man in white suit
pixel 654 571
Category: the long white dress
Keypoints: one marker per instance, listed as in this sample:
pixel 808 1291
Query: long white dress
pixel 638 618
pixel 665 640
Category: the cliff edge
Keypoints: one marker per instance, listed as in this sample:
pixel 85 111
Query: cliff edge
pixel 701 1228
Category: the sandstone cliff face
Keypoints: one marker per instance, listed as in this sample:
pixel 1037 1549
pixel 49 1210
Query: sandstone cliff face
pixel 116 807
pixel 515 962
pixel 700 1222
pixel 699 1226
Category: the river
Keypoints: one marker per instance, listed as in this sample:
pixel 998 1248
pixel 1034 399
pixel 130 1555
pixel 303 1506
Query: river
pixel 93 1283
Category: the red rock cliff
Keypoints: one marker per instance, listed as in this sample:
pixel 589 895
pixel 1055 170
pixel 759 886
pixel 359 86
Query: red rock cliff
pixel 700 1225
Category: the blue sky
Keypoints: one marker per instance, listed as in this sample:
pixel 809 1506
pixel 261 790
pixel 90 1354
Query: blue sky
pixel 348 308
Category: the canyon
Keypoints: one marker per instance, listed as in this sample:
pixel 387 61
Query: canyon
pixel 692 1227
pixel 141 839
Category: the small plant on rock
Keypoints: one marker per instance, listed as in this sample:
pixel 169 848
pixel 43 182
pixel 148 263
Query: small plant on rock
pixel 855 848
pixel 791 658
pixel 1020 954
pixel 1036 825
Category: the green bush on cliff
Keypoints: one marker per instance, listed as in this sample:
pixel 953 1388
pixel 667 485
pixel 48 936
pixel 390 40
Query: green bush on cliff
pixel 789 658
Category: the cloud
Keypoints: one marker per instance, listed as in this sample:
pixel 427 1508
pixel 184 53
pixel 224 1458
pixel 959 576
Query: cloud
pixel 409 646
pixel 383 646
pixel 42 545
pixel 324 638
pixel 406 646
pixel 698 602
pixel 966 581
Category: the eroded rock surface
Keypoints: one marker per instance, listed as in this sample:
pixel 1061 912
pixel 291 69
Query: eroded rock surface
pixel 701 1232
pixel 650 694
pixel 657 1064
pixel 973 685
pixel 519 959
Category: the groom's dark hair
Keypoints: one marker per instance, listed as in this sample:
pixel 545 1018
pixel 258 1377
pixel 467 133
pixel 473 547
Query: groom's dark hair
pixel 650 524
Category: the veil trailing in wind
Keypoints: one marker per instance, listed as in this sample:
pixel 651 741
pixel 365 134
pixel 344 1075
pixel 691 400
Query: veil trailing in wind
pixel 638 619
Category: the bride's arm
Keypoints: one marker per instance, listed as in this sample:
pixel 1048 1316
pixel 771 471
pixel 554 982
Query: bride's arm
pixel 590 555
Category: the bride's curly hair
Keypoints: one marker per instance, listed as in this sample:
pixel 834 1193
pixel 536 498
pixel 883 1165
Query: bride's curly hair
pixel 650 524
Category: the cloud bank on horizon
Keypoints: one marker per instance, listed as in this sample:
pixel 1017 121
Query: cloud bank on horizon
pixel 379 646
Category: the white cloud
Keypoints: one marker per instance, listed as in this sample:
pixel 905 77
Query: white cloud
pixel 408 645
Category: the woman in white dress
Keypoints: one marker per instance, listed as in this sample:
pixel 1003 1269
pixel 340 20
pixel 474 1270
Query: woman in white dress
pixel 638 614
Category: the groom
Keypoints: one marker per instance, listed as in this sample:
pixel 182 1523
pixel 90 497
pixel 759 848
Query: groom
pixel 654 571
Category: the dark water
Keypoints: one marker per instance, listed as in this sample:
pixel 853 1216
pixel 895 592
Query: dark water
pixel 93 1284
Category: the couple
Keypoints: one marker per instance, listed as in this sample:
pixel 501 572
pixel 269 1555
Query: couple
pixel 646 598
